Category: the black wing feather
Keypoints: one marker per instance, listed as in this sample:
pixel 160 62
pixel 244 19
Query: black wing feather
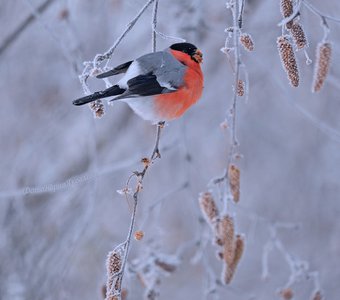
pixel 117 70
pixel 111 91
pixel 145 85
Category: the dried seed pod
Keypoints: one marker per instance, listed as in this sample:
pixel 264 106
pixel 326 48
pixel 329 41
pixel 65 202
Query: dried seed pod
pixel 139 234
pixel 103 291
pixel 225 276
pixel 234 182
pixel 298 36
pixel 208 208
pixel 151 294
pixel 64 14
pixel 247 41
pixel 219 255
pixel 124 294
pixel 288 60
pixel 113 266
pixel 286 7
pixel 227 234
pixel 98 108
pixel 145 161
pixel 229 270
pixel 323 60
pixel 113 263
pixel 239 249
pixel 166 266
pixel 240 88
pixel 286 294
pixel 317 296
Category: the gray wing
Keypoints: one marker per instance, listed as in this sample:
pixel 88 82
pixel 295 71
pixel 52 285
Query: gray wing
pixel 168 70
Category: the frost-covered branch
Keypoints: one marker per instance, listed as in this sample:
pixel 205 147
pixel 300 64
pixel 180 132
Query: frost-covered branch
pixel 91 67
pixel 299 269
pixel 122 251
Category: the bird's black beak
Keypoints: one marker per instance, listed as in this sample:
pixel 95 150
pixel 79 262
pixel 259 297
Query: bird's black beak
pixel 198 56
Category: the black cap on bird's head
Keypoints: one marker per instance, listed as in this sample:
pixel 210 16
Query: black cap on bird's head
pixel 189 49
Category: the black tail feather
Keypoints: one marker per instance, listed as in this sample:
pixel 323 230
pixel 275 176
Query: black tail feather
pixel 112 91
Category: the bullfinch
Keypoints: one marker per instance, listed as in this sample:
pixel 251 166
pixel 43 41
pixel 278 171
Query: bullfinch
pixel 158 86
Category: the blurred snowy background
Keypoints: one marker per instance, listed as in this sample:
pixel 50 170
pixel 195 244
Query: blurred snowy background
pixel 60 168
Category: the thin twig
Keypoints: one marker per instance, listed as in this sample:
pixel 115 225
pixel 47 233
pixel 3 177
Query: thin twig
pixel 314 10
pixel 169 37
pixel 108 54
pixel 154 25
pixel 94 64
pixel 237 63
pixel 140 175
pixel 240 16
pixel 8 41
pixel 64 50
pixel 236 69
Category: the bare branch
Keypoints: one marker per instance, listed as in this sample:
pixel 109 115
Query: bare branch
pixel 64 50
pixel 10 39
pixel 140 176
pixel 314 10
pixel 108 54
pixel 154 24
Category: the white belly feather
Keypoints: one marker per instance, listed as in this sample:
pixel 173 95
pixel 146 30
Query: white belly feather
pixel 144 107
